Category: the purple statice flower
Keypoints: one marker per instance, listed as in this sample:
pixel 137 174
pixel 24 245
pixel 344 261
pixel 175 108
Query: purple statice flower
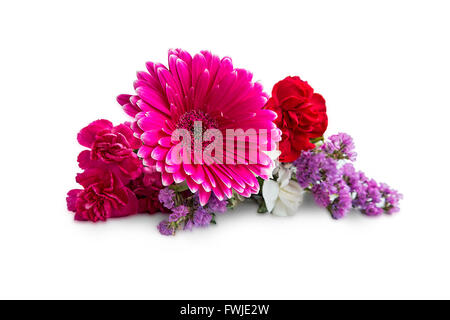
pixel 371 209
pixel 321 195
pixel 351 177
pixel 202 217
pixel 330 171
pixel 340 146
pixel 166 197
pixel 217 206
pixel 343 202
pixel 181 211
pixel 373 191
pixel 391 197
pixel 336 185
pixel 188 225
pixel 178 212
pixel 324 176
pixel 164 228
pixel 367 196
pixel 360 198
pixel 308 168
pixel 370 197
pixel 313 167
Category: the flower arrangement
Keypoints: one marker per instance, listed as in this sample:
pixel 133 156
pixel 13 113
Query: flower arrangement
pixel 203 137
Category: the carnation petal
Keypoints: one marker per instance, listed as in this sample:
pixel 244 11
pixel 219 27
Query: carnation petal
pixel 84 159
pixel 130 208
pixel 87 135
pixel 71 199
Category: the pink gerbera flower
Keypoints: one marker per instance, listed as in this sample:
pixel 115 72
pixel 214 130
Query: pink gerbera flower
pixel 208 89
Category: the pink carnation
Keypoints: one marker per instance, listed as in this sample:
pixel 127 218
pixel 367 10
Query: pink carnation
pixel 110 147
pixel 208 89
pixel 104 196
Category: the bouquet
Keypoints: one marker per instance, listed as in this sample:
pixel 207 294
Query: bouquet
pixel 203 137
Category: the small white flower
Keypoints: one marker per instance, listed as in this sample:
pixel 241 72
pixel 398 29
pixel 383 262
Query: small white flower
pixel 284 196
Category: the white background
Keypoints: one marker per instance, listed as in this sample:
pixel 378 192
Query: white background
pixel 383 68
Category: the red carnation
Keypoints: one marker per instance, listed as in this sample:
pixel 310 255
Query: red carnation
pixel 302 115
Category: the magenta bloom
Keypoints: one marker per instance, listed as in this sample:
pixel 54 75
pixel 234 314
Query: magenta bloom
pixel 111 147
pixel 104 196
pixel 146 188
pixel 208 89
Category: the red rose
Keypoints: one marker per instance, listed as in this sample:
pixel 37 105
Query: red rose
pixel 104 196
pixel 302 115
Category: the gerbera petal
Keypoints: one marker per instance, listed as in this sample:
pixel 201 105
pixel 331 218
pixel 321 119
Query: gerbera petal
pixel 159 153
pixel 184 75
pixel 167 179
pixel 123 99
pixel 153 98
pixel 201 89
pixel 198 66
pixel 151 121
pixel 165 142
pixel 218 171
pixel 183 55
pixel 145 152
pixel 199 175
pixel 193 186
pixel 172 168
pixel 203 196
pixel 218 193
pixel 151 137
pixel 179 176
pixel 130 109
pixel 210 177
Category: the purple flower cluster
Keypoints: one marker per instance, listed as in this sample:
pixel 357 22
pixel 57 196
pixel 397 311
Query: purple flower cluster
pixel 165 229
pixel 178 213
pixel 217 206
pixel 337 185
pixel 166 197
pixel 340 146
pixel 187 211
pixel 202 217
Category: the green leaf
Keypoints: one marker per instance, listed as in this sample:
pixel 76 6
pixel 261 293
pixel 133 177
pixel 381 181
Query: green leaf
pixel 262 207
pixel 180 187
pixel 317 141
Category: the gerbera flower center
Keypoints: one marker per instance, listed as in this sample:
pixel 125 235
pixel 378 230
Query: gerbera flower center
pixel 188 120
